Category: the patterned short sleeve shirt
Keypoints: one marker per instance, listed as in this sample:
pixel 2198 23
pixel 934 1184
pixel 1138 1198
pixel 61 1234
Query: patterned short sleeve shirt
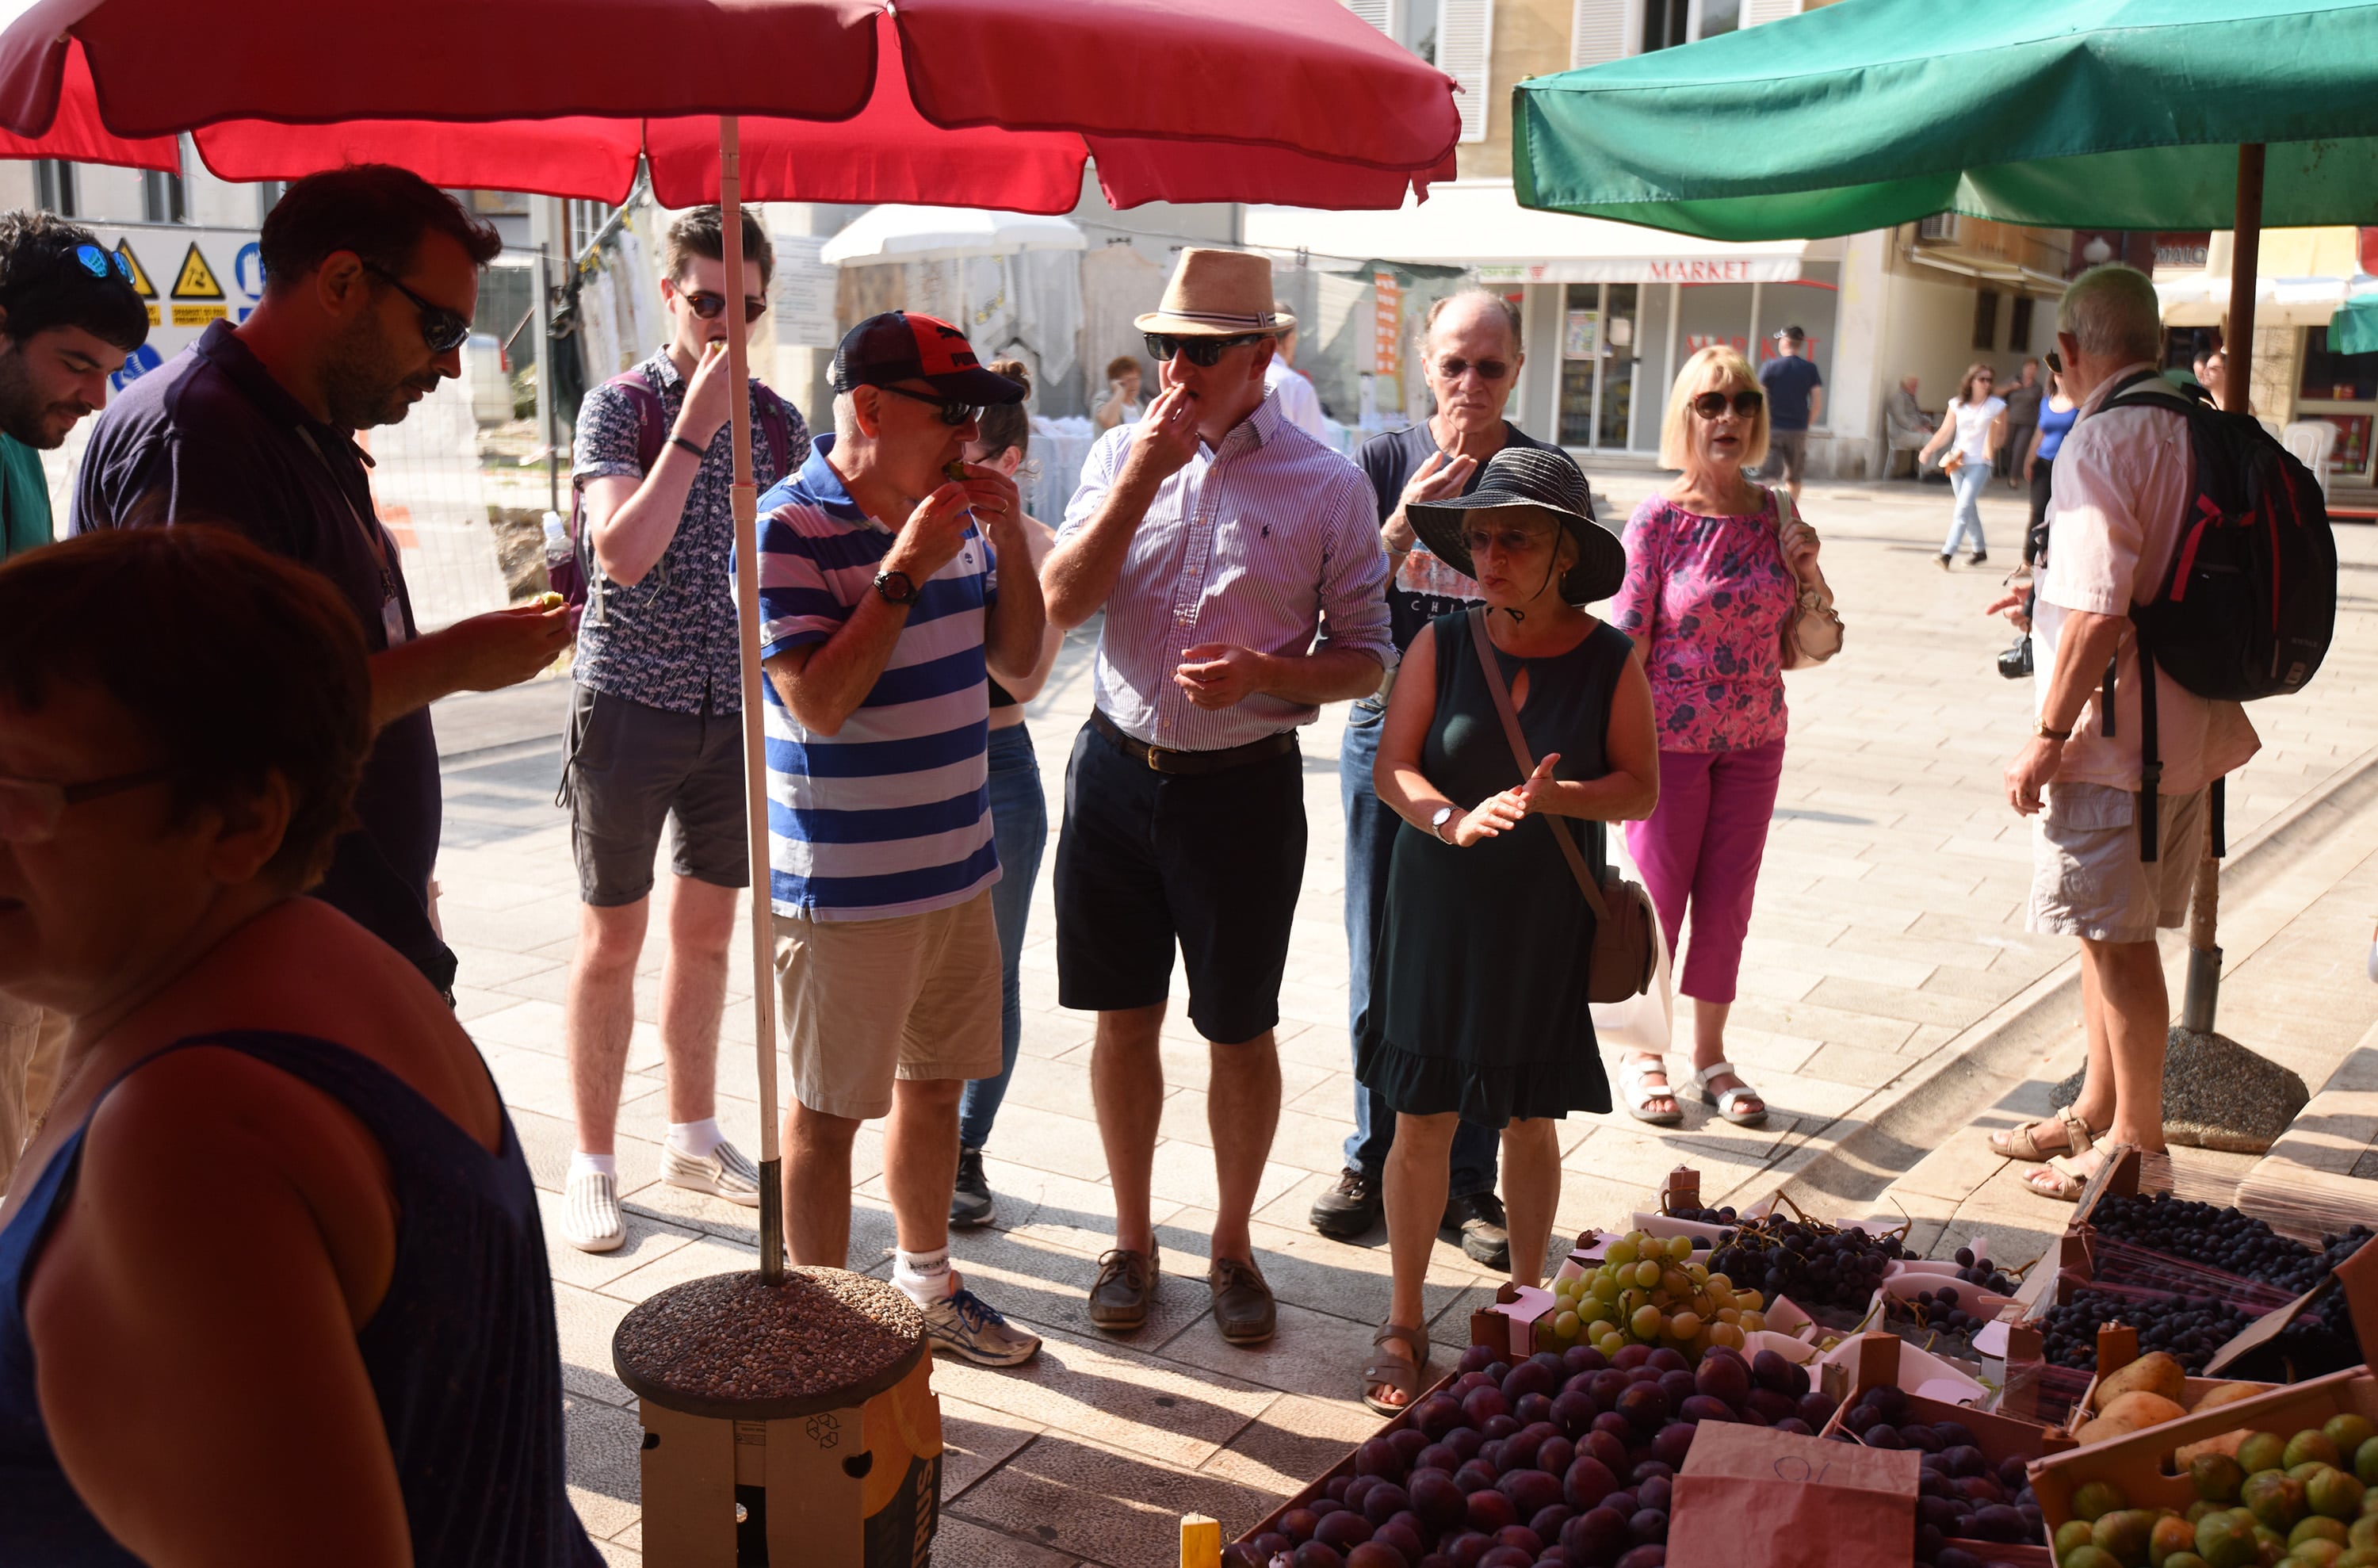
pixel 668 641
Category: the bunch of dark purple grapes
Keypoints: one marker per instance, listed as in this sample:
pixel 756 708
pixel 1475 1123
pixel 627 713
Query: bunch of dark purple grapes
pixel 1975 1271
pixel 1941 1310
pixel 2321 1338
pixel 1812 1262
pixel 2187 1328
pixel 1705 1216
pixel 1963 1497
pixel 2227 1239
pixel 1562 1460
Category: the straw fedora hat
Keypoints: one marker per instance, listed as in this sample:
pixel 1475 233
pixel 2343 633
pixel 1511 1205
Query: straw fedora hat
pixel 1217 293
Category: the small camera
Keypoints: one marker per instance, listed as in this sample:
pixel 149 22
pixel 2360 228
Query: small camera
pixel 2015 663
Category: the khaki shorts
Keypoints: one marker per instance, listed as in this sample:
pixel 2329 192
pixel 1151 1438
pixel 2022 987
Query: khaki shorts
pixel 869 1001
pixel 2087 877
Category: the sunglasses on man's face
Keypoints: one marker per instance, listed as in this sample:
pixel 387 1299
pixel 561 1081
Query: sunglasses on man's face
pixel 1205 353
pixel 1745 403
pixel 442 329
pixel 1454 368
pixel 952 411
pixel 2056 362
pixel 96 261
pixel 707 306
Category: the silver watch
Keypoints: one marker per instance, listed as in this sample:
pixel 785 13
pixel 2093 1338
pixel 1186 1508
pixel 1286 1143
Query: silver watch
pixel 1436 824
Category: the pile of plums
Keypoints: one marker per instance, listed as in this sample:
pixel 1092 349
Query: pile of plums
pixel 2187 1328
pixel 1963 1497
pixel 1563 1461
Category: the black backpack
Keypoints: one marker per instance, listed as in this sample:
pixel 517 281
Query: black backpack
pixel 2249 604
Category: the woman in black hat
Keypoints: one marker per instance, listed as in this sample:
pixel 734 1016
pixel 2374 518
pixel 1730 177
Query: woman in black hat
pixel 1478 994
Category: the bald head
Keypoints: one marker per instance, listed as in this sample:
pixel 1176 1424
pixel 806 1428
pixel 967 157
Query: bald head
pixel 1471 358
pixel 1907 384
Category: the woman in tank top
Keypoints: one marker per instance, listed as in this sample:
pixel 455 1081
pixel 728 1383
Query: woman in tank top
pixel 272 1286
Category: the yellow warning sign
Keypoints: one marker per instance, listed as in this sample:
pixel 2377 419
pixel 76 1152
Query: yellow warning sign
pixel 197 280
pixel 140 283
pixel 197 315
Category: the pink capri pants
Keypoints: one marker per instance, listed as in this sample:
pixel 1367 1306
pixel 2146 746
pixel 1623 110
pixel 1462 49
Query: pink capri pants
pixel 1701 846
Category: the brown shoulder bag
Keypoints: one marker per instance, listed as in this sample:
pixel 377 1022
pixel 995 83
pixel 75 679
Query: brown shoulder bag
pixel 1624 951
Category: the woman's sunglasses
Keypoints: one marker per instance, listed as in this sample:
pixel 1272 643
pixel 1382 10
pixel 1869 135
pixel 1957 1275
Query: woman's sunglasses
pixel 442 329
pixel 1205 353
pixel 1745 403
pixel 96 261
pixel 707 306
pixel 953 412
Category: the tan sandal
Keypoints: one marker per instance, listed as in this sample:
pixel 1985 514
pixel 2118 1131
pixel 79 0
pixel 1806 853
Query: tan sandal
pixel 2019 1143
pixel 1394 1372
pixel 2059 1178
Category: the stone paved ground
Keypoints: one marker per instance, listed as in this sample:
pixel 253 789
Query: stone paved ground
pixel 1887 951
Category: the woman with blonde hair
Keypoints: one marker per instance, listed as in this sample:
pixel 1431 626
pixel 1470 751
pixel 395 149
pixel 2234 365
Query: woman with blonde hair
pixel 1712 564
pixel 1972 429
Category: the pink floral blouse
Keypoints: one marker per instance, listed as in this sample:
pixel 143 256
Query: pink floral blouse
pixel 1707 596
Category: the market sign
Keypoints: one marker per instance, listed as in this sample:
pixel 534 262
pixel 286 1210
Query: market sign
pixel 1648 270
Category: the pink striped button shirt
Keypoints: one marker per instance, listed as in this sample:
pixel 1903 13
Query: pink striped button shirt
pixel 1250 544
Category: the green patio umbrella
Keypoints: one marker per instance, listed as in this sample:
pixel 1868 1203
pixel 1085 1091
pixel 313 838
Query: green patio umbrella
pixel 2354 328
pixel 2053 114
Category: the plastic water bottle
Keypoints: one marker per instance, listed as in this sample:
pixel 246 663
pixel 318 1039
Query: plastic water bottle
pixel 557 538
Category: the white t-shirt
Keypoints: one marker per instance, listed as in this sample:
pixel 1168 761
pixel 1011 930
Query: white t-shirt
pixel 1974 422
pixel 1296 397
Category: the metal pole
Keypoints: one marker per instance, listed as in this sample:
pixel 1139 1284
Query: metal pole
pixel 755 734
pixel 2204 994
pixel 545 375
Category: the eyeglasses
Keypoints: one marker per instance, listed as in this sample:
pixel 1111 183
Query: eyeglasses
pixel 1504 541
pixel 30 808
pixel 2056 362
pixel 442 329
pixel 1205 353
pixel 707 306
pixel 1454 369
pixel 96 261
pixel 952 411
pixel 1745 403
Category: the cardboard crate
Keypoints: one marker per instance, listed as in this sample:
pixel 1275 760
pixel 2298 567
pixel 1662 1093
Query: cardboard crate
pixel 2134 1464
pixel 2117 1346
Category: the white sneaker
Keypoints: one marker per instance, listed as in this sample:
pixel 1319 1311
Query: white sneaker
pixel 723 1173
pixel 589 1212
pixel 963 1324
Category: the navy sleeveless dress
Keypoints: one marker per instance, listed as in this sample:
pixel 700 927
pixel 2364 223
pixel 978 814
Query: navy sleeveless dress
pixel 461 1353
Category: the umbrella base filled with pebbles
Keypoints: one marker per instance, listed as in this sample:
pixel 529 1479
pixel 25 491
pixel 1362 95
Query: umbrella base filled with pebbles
pixel 785 1423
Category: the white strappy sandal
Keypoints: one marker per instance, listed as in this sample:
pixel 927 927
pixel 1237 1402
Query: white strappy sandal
pixel 1632 1072
pixel 1726 1100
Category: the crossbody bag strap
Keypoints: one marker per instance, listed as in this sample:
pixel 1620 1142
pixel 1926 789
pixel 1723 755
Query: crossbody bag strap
pixel 1519 753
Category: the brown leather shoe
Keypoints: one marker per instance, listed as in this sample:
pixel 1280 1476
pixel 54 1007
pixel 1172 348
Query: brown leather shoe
pixel 1127 1284
pixel 1243 1309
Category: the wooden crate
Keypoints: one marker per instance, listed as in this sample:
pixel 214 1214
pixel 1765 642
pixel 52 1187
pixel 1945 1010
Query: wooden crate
pixel 2134 1464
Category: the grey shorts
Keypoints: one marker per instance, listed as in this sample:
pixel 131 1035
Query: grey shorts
pixel 1787 456
pixel 628 768
pixel 2087 877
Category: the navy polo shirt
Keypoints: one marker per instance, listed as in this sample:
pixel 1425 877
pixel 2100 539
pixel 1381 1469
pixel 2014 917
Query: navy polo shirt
pixel 211 437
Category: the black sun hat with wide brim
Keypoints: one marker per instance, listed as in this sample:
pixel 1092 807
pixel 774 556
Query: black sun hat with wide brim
pixel 1546 483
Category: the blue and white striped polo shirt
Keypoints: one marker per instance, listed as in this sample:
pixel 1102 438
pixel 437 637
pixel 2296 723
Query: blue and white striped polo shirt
pixel 890 817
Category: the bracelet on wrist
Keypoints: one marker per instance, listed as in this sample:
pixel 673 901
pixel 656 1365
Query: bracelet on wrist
pixel 2045 733
pixel 699 453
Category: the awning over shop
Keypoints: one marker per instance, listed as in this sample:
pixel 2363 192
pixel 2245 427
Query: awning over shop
pixel 2303 277
pixel 1477 224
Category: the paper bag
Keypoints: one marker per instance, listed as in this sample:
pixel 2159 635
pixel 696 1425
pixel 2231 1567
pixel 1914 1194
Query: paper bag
pixel 1751 1495
pixel 1646 1021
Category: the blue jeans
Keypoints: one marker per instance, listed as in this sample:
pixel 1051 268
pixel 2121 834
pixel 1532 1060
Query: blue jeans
pixel 1966 484
pixel 1371 831
pixel 1019 826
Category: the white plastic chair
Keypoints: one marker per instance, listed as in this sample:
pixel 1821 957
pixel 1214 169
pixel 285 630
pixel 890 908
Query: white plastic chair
pixel 2312 441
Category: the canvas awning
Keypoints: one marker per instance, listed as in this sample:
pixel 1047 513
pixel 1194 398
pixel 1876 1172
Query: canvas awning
pixel 2303 277
pixel 1480 225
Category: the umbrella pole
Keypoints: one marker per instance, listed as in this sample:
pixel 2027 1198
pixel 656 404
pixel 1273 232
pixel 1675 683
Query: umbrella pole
pixel 755 732
pixel 2204 994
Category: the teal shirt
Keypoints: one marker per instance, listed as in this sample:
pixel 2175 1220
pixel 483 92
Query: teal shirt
pixel 24 498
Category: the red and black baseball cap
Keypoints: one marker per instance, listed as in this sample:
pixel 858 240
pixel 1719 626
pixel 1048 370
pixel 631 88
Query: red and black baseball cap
pixel 905 345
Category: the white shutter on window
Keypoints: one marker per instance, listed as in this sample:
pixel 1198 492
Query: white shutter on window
pixel 1597 32
pixel 1374 12
pixel 1465 43
pixel 1757 11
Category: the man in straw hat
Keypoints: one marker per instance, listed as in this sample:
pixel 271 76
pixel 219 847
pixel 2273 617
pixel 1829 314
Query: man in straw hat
pixel 1215 535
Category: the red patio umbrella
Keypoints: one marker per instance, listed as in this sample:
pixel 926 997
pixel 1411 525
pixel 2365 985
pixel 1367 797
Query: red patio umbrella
pixel 974 102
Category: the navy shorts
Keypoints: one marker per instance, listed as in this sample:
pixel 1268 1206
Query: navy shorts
pixel 629 770
pixel 1211 862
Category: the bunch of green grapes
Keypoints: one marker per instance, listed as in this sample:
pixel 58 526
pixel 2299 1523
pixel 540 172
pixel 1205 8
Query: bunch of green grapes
pixel 1648 1290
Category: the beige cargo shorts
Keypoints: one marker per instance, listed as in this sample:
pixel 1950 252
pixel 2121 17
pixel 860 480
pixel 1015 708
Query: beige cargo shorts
pixel 2087 877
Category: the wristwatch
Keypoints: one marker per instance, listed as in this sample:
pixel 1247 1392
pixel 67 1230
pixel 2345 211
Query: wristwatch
pixel 896 587
pixel 1436 824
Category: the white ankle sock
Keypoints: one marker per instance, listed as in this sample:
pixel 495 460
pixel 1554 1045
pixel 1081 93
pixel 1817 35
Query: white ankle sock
pixel 697 1139
pixel 594 1164
pixel 925 1277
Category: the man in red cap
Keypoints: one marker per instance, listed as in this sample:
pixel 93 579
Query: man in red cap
pixel 883 603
